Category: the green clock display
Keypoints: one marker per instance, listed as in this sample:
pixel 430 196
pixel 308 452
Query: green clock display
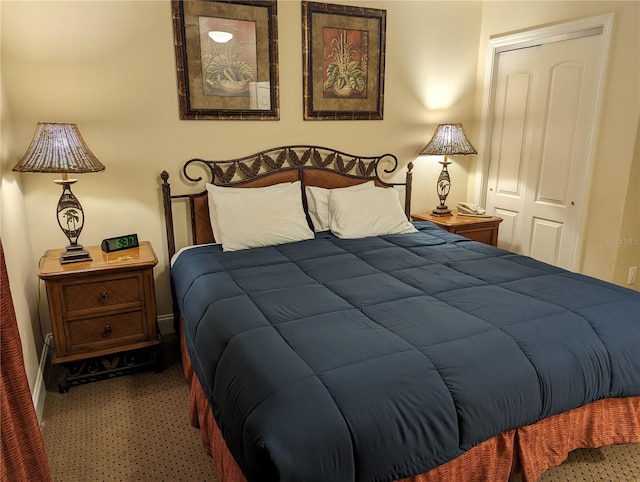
pixel 118 243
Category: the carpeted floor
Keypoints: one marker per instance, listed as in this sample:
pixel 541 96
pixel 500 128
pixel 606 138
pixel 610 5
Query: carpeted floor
pixel 130 428
pixel 136 428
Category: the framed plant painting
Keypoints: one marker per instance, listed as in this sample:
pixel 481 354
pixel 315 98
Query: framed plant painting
pixel 226 59
pixel 343 61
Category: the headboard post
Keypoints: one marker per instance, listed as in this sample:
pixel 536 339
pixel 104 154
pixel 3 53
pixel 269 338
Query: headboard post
pixel 171 242
pixel 407 191
pixel 168 213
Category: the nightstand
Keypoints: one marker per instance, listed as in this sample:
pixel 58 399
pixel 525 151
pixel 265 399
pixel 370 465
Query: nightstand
pixel 480 229
pixel 103 313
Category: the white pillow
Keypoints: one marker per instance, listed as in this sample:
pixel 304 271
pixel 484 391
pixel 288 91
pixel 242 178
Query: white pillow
pixel 318 203
pixel 369 212
pixel 211 188
pixel 254 217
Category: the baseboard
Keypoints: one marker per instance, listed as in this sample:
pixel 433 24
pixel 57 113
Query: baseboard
pixel 165 324
pixel 40 390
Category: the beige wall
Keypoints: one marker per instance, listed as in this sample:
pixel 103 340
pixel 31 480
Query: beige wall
pixel 16 243
pixel 109 67
pixel 628 242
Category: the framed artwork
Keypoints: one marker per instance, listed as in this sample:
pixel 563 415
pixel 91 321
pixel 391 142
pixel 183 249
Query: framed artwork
pixel 227 59
pixel 343 61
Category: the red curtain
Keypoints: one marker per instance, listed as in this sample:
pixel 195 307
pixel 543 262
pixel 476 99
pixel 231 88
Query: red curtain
pixel 23 455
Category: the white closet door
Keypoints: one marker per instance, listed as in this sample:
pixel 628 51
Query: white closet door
pixel 543 118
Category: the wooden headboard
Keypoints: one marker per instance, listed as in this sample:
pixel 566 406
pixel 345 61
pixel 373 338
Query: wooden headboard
pixel 312 165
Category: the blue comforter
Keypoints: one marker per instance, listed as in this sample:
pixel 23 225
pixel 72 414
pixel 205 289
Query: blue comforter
pixel 379 358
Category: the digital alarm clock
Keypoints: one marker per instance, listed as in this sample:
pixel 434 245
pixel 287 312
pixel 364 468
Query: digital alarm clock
pixel 118 243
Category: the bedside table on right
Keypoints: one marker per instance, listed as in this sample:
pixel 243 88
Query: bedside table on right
pixel 483 229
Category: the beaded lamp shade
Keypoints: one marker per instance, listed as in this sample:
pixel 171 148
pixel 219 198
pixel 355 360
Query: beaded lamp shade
pixel 448 140
pixel 59 148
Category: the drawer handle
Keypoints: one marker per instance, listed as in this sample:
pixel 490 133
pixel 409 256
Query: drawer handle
pixel 106 332
pixel 103 297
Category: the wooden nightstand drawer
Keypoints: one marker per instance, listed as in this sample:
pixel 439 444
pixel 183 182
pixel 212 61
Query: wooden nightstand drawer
pixel 102 293
pixel 483 234
pixel 482 229
pixel 104 331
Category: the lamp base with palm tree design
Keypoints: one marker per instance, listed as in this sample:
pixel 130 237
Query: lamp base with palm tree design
pixel 443 186
pixel 71 221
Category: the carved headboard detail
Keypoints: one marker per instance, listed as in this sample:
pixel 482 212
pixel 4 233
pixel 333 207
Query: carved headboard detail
pixel 312 165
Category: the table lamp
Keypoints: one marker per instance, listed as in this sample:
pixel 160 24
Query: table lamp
pixel 59 148
pixel 448 140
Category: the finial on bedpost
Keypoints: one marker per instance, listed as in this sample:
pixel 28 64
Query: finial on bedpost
pixel 407 191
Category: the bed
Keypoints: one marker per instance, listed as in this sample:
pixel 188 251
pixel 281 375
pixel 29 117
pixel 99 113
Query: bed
pixel 379 349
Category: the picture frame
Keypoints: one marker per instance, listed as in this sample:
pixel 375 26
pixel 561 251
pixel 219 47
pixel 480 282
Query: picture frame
pixel 343 61
pixel 226 59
